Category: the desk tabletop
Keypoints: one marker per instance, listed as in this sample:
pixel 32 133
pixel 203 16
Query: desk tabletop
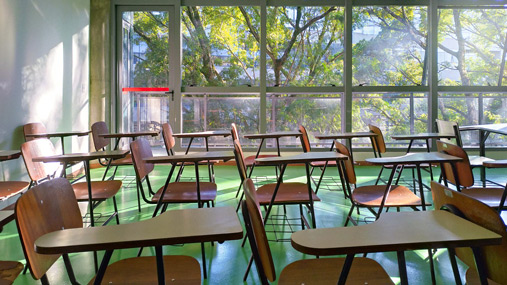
pixel 273 135
pixel 59 134
pixel 302 158
pixel 192 157
pixel 415 158
pixel 5 217
pixel 170 227
pixel 494 128
pixel 346 135
pixel 206 134
pixel 130 134
pixel 422 136
pixel 9 154
pixel 76 157
pixel 396 232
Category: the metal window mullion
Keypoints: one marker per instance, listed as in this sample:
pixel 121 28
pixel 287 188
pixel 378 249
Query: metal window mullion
pixel 263 69
pixel 346 106
pixel 175 61
pixel 432 49
pixel 481 109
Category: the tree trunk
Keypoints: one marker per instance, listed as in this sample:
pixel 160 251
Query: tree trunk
pixel 465 80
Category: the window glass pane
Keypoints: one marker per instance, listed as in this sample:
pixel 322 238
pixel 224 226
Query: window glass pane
pixel 304 46
pixel 393 113
pixel 473 109
pixel 220 46
pixel 319 113
pixel 472 45
pixel 145 49
pixel 389 45
pixel 144 72
pixel 201 112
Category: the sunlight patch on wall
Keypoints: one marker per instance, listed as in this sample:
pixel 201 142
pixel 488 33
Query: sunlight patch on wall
pixel 42 87
pixel 80 86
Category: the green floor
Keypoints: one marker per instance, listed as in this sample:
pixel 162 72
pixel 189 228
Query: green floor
pixel 227 262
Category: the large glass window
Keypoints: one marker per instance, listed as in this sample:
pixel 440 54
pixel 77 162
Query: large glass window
pixel 472 47
pixel 305 46
pixel 390 45
pixel 297 75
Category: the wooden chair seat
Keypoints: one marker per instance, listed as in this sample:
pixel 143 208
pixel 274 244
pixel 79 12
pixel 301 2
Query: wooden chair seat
pixel 101 190
pixel 488 196
pixel 9 270
pixel 250 160
pixel 371 196
pixel 127 160
pixel 11 188
pixel 185 192
pixel 178 269
pixel 289 193
pixel 327 271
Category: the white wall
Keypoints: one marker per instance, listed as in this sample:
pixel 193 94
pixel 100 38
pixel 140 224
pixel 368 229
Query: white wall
pixel 43 72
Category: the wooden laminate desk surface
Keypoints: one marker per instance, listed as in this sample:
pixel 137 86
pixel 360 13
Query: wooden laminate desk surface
pixel 192 157
pixel 415 158
pixel 273 135
pixel 208 134
pixel 171 227
pixel 347 135
pixel 422 136
pixel 493 128
pixel 129 134
pixel 9 154
pixel 59 134
pixel 302 158
pixel 86 156
pixel 396 232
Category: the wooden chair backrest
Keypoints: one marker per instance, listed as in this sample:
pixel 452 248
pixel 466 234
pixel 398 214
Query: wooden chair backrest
pixel 449 128
pixel 305 141
pixel 257 234
pixel 240 160
pixel 463 168
pixel 495 257
pixel 48 207
pixel 167 135
pixel 37 148
pixel 100 128
pixel 234 132
pixel 33 128
pixel 140 150
pixel 349 164
pixel 379 144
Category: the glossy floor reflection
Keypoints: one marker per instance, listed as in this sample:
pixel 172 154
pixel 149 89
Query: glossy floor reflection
pixel 227 262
